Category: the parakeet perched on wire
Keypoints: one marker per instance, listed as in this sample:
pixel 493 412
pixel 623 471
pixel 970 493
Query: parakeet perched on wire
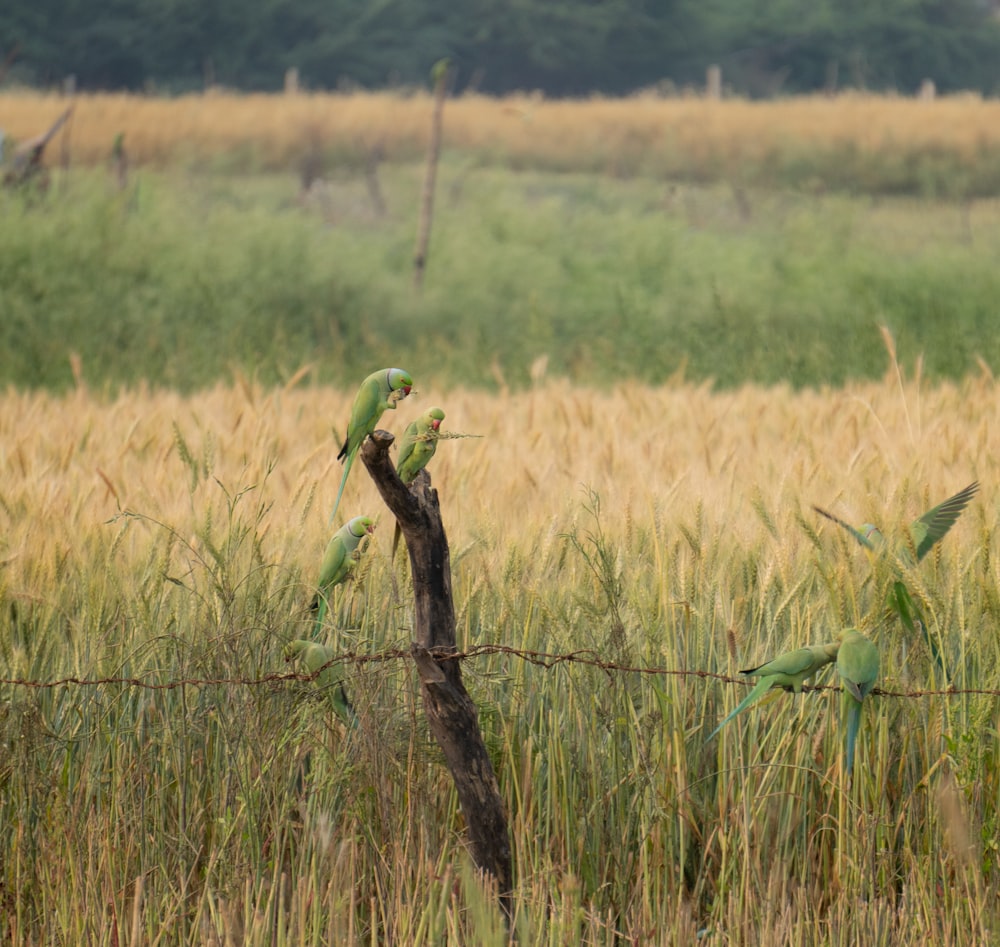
pixel 857 665
pixel 314 656
pixel 380 391
pixel 788 670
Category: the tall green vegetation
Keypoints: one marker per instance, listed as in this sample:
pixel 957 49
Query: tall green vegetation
pixel 188 280
pixel 188 814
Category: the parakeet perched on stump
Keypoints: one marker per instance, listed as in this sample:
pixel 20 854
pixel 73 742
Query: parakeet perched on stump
pixel 418 444
pixel 381 390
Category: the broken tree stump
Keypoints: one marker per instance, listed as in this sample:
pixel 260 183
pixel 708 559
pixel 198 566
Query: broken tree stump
pixel 27 164
pixel 451 714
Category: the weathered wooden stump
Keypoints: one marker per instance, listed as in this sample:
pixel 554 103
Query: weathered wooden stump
pixel 451 714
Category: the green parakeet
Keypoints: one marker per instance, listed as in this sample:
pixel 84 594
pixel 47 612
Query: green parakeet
pixel 788 670
pixel 339 561
pixel 415 449
pixel 925 532
pixel 857 665
pixel 381 390
pixel 314 656
pixel 418 444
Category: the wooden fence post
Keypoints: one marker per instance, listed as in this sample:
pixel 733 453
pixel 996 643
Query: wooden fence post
pixel 451 714
pixel 713 82
pixel 440 74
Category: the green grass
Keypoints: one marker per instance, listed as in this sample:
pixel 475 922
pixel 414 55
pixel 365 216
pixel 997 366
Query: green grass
pixel 187 280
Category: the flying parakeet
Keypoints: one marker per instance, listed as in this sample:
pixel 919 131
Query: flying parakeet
pixel 339 561
pixel 418 444
pixel 857 665
pixel 313 656
pixel 925 532
pixel 381 390
pixel 788 670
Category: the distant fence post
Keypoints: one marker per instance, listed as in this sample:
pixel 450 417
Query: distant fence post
pixel 119 162
pixel 375 155
pixel 928 91
pixel 291 80
pixel 8 60
pixel 440 75
pixel 713 82
pixel 451 714
pixel 832 76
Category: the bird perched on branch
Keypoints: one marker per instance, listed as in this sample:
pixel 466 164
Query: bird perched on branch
pixel 27 162
pixel 857 665
pixel 416 448
pixel 380 391
pixel 339 561
pixel 789 671
pixel 418 444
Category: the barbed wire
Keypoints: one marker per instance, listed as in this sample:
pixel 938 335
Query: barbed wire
pixel 544 659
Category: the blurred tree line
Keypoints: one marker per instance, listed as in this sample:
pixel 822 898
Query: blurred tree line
pixel 562 47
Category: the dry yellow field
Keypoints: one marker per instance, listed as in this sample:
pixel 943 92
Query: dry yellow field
pixel 593 133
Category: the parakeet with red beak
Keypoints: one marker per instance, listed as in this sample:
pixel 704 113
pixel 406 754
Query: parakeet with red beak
pixel 418 444
pixel 380 391
pixel 339 561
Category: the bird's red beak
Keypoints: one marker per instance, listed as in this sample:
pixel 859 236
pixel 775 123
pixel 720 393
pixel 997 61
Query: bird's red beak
pixel 406 390
pixel 435 424
pixel 370 529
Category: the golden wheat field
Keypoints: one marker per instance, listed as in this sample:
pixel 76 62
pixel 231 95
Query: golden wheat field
pixel 73 461
pixel 162 537
pixel 597 133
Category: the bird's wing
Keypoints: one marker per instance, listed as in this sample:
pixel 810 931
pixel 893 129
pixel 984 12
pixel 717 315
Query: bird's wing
pixel 801 661
pixel 333 559
pixel 936 522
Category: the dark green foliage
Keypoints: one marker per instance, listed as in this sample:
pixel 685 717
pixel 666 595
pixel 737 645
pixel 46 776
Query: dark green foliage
pixel 564 47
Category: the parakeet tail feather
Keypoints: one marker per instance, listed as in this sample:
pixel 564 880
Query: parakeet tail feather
pixel 853 723
pixel 343 483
